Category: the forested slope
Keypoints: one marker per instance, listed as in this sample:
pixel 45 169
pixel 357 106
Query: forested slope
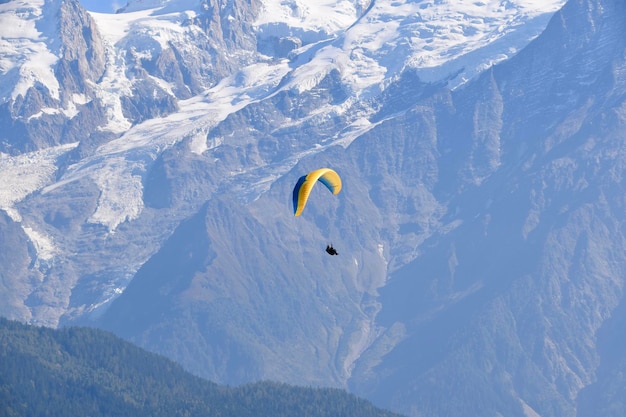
pixel 88 372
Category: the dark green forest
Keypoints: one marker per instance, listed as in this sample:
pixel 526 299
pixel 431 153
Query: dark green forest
pixel 89 372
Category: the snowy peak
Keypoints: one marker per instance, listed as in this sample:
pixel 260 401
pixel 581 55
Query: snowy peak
pixel 441 38
pixel 39 38
pixel 371 44
pixel 25 55
pixel 181 46
pixel 137 5
pixel 324 18
pixel 52 55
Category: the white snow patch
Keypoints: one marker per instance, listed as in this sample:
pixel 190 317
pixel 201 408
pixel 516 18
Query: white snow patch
pixel 118 166
pixel 528 410
pixel 150 6
pixel 44 246
pixel 24 55
pixel 114 27
pixel 214 142
pixel 162 27
pixel 437 39
pixel 114 84
pixel 328 16
pixel 309 75
pixel 453 35
pixel 360 341
pixel 80 98
pixel 45 110
pixel 198 143
pixel 24 174
pixel 121 196
pixel 71 110
pixel 96 310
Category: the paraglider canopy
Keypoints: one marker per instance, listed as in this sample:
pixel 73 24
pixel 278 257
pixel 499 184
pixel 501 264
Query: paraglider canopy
pixel 305 184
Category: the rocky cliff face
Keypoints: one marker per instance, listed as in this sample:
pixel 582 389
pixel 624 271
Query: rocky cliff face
pixel 528 255
pixel 15 263
pixel 73 101
pixel 36 115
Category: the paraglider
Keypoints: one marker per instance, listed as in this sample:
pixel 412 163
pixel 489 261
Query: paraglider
pixel 303 188
pixel 330 250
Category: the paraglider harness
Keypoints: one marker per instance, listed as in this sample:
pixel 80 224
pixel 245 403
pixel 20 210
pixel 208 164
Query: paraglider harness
pixel 330 250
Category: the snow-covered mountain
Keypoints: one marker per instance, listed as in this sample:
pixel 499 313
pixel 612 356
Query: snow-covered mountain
pixel 103 95
pixel 152 153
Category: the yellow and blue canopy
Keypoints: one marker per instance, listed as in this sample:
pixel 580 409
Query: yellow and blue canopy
pixel 305 184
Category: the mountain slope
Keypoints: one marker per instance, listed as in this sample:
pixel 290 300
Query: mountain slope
pixel 495 209
pixel 479 228
pixel 509 301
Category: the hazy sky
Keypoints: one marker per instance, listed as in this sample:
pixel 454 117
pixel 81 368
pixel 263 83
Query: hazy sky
pixel 102 6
